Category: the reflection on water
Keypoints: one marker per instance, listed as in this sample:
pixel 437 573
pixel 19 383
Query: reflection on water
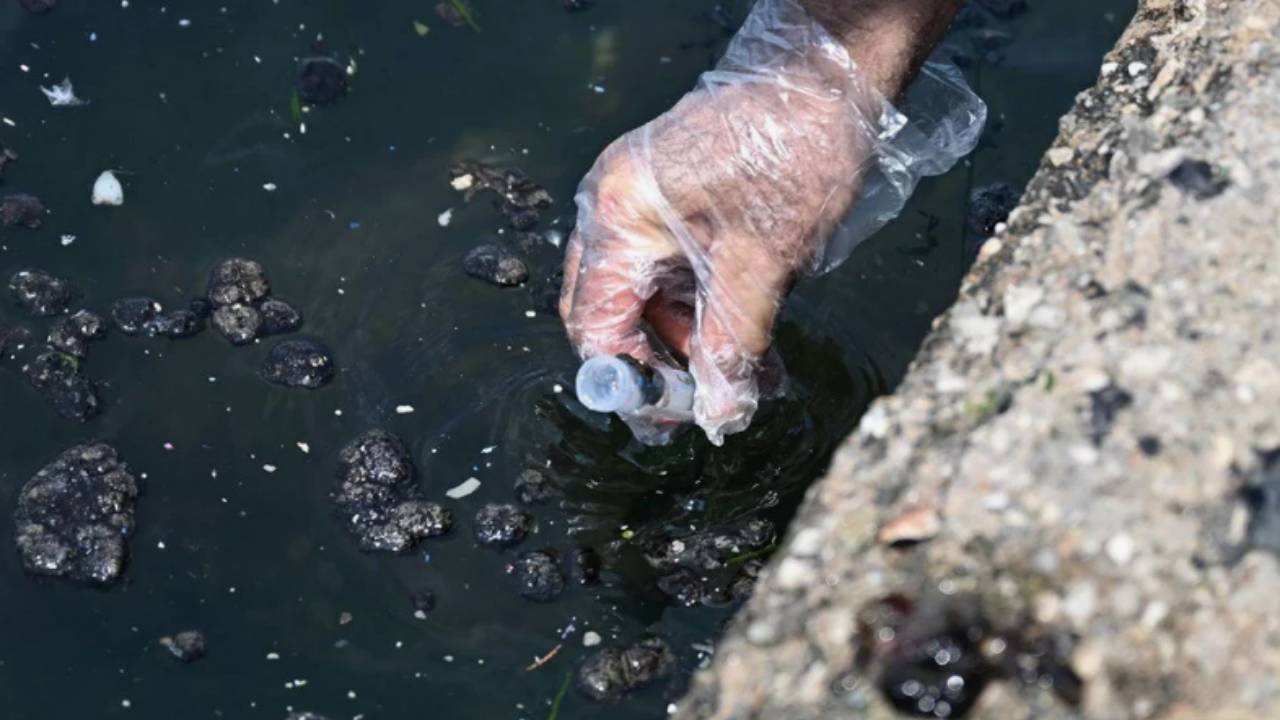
pixel 199 118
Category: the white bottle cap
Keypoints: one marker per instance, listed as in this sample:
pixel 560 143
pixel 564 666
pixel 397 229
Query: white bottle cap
pixel 606 384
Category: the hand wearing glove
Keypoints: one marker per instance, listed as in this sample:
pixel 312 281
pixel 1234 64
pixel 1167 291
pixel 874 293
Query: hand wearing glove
pixel 692 228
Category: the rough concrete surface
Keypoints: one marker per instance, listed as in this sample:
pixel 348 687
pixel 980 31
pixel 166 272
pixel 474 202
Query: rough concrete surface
pixel 1085 458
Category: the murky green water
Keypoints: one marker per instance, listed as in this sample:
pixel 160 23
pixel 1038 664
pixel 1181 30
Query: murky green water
pixel 199 118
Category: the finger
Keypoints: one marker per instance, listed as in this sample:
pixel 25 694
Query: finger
pixel 672 321
pixel 612 284
pixel 743 287
pixel 572 263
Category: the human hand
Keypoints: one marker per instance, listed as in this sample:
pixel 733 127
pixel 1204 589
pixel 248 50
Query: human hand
pixel 692 228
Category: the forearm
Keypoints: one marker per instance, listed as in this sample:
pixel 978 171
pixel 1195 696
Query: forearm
pixel 889 39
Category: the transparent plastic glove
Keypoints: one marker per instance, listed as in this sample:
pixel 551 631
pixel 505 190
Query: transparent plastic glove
pixel 693 227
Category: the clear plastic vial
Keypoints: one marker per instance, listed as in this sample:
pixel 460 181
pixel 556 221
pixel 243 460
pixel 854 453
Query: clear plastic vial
pixel 622 385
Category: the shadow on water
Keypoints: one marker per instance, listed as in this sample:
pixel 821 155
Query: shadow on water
pixel 200 116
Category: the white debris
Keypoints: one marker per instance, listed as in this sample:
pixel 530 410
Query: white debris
pixel 404 409
pixel 68 239
pixel 269 468
pixel 487 450
pixel 591 638
pixel 445 218
pixel 465 488
pixel 554 237
pixel 269 187
pixel 107 190
pixel 463 182
pixel 62 94
pixel 304 447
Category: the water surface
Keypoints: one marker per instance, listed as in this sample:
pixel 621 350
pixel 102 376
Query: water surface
pixel 198 117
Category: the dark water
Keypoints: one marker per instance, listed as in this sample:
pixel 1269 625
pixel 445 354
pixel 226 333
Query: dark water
pixel 199 118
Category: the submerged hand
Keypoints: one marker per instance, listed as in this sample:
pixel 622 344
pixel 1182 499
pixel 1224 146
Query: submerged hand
pixel 693 227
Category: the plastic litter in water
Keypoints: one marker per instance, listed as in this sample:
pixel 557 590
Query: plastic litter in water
pixel 404 409
pixel 463 489
pixel 62 94
pixel 445 218
pixel 107 190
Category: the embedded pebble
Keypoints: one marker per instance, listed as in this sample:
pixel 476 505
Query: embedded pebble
pixel 495 265
pixel 501 525
pixel 299 363
pixel 40 293
pixel 74 516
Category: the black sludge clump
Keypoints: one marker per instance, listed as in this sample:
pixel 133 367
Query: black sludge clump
pixel 24 210
pixel 237 280
pixel 37 6
pixel 539 575
pixel 704 568
pixel 238 323
pixel 132 314
pixel 74 516
pixel 501 525
pixel 186 646
pixel 58 378
pixel 989 206
pixel 300 363
pixel 612 673
pixel 378 500
pixel 176 324
pixel 321 80
pixel 586 564
pixel 71 335
pixel 279 317
pixel 40 293
pixel 495 265
pixel 533 488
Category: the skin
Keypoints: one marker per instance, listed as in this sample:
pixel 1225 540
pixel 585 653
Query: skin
pixel 694 227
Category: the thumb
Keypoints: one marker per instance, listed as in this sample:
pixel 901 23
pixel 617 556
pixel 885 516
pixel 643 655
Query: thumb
pixel 742 287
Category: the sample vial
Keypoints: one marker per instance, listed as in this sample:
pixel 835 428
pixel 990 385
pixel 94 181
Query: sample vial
pixel 623 385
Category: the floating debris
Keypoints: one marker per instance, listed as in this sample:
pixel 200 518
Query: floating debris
pixel 62 94
pixel 463 489
pixel 187 646
pixel 107 190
